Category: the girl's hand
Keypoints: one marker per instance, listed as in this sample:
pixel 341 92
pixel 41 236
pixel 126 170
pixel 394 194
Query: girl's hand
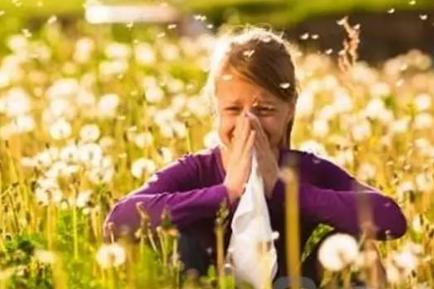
pixel 266 156
pixel 239 162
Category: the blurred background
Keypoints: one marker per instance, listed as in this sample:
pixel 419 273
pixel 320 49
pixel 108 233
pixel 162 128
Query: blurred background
pixel 389 27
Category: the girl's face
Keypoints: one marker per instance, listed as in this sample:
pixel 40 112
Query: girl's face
pixel 236 95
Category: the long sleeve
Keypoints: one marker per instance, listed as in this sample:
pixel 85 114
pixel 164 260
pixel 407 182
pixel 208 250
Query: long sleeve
pixel 335 198
pixel 174 188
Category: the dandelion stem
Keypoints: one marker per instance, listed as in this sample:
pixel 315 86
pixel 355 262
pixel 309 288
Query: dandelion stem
pixel 292 227
pixel 74 232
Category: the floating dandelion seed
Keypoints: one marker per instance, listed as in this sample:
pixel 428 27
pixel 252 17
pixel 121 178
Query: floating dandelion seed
pixel 412 2
pixel 423 17
pixel 342 21
pixel 210 26
pixel 304 36
pixel 248 53
pixel 199 17
pixel 112 255
pixel 285 85
pixel 52 19
pixel 391 11
pixel 171 26
pixel 329 51
pixel 314 36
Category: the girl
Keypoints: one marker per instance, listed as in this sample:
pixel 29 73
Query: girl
pixel 252 83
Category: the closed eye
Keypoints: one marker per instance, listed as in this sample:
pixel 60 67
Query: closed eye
pixel 233 108
pixel 264 110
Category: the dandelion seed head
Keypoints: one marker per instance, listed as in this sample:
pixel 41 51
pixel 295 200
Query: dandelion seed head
pixel 142 166
pixel 320 128
pixel 45 256
pixel 423 101
pixel 108 104
pixel 60 129
pixel 109 256
pixel 424 120
pixel 144 54
pixel 143 140
pixel 89 133
pixel 117 50
pixel 367 171
pixel 338 251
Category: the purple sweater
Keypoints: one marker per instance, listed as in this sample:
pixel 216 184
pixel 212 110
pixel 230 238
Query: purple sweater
pixel 192 190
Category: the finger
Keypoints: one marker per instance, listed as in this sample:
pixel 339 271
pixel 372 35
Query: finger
pixel 257 124
pixel 243 136
pixel 238 126
pixel 248 149
pixel 261 137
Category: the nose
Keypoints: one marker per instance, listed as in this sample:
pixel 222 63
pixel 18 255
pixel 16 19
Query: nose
pixel 248 109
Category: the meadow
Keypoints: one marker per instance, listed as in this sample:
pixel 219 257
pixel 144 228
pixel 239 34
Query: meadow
pixel 85 118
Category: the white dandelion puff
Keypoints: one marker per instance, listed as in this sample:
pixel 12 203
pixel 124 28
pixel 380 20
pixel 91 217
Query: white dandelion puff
pixel 141 166
pixel 107 105
pixel 90 133
pixel 143 140
pixel 61 129
pixel 338 251
pixel 112 255
pixel 45 256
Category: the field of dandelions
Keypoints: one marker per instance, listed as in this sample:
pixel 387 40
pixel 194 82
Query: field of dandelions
pixel 85 118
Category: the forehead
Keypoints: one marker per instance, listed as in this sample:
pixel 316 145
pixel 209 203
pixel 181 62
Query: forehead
pixel 232 88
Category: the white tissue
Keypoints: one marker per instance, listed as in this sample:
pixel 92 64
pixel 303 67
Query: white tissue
pixel 250 228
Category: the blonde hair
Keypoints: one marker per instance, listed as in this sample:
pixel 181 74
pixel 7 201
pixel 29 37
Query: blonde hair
pixel 260 56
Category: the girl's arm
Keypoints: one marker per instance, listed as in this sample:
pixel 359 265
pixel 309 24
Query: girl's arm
pixel 334 198
pixel 174 188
